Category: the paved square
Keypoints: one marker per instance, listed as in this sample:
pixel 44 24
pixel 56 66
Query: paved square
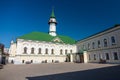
pixel 60 71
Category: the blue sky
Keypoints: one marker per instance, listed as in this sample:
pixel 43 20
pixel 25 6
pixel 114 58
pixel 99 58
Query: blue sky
pixel 76 18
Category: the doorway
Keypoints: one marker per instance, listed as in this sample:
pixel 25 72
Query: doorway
pixel 68 58
pixel 81 58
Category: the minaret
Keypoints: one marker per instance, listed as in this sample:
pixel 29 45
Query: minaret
pixel 52 22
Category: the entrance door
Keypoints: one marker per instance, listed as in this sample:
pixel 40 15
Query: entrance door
pixel 67 58
pixel 81 58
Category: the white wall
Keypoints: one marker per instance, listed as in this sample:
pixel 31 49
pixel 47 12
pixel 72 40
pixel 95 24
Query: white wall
pixel 102 50
pixel 38 58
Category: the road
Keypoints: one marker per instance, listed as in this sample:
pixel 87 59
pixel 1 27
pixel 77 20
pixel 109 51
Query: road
pixel 60 71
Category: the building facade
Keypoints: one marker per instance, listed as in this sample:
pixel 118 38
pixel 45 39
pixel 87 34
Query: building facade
pixel 1 53
pixel 104 45
pixel 39 47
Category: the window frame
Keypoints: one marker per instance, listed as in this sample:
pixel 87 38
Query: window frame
pixel 105 43
pixel 39 50
pixel 115 55
pixel 61 51
pixel 46 51
pixel 25 50
pixel 113 41
pixel 52 51
pixel 107 56
pixel 93 45
pixel 94 56
pixel 32 50
pixel 99 44
pixel 66 51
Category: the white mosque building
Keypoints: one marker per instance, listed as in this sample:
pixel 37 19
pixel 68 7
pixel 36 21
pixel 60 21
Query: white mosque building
pixel 39 47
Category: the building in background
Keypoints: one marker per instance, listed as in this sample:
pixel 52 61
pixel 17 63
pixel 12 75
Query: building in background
pixel 103 46
pixel 6 53
pixel 1 53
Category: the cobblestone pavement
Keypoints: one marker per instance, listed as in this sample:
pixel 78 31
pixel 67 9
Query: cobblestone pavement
pixel 60 71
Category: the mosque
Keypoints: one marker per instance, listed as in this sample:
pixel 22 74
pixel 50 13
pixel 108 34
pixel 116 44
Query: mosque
pixel 40 47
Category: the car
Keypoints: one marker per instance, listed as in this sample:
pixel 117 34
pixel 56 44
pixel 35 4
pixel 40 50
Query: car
pixel 43 62
pixel 28 62
pixel 56 61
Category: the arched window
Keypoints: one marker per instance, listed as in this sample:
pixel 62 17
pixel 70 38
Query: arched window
pixel 25 49
pixel 98 44
pixel 39 51
pixel 84 47
pixel 113 40
pixel 88 46
pixel 115 56
pixel 105 42
pixel 32 50
pixel 46 51
pixel 93 45
pixel 52 51
pixel 66 51
pixel 23 61
pixel 61 51
pixel 107 56
pixel 70 51
pixel 94 56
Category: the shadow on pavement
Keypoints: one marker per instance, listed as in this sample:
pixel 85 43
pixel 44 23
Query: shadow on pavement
pixel 107 73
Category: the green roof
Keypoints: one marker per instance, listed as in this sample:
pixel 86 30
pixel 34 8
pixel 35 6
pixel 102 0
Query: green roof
pixel 40 36
pixel 52 15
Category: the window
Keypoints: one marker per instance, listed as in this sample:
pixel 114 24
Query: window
pixel 93 45
pixel 46 51
pixel 25 49
pixel 23 61
pixel 31 61
pixel 88 46
pixel 32 50
pixel 89 57
pixel 115 56
pixel 61 51
pixel 94 57
pixel 107 56
pixel 98 44
pixel 52 51
pixel 105 42
pixel 84 47
pixel 51 20
pixel 39 51
pixel 65 51
pixel 70 51
pixel 113 40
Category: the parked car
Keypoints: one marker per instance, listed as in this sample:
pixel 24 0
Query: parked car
pixel 28 62
pixel 56 61
pixel 43 62
pixel 102 61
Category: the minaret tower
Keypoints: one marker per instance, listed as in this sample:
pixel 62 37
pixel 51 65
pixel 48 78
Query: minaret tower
pixel 52 22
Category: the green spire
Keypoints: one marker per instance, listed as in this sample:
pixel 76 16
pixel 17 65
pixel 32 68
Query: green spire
pixel 52 15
